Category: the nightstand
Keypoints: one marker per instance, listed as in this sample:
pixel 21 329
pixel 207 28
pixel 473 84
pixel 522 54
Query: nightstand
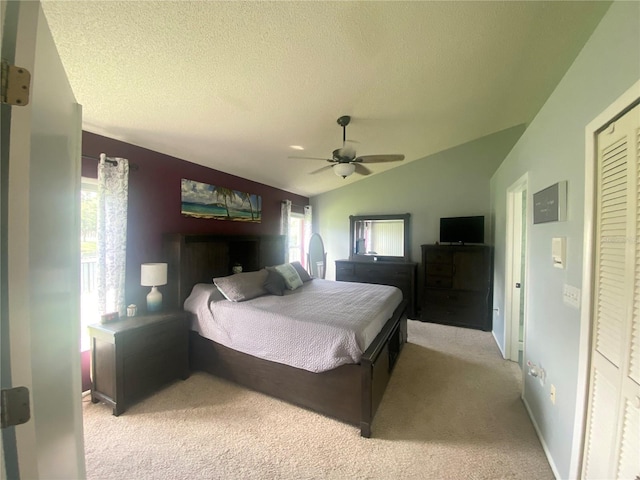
pixel 135 356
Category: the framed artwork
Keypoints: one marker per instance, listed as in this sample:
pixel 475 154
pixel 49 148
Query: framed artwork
pixel 201 200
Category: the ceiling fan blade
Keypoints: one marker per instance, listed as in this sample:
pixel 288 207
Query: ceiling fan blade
pixel 361 169
pixel 380 158
pixel 311 158
pixel 326 167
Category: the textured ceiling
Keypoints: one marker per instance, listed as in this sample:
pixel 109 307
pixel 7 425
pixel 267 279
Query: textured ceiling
pixel 232 85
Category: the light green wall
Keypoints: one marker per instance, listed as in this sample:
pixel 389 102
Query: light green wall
pixel 450 183
pixel 553 149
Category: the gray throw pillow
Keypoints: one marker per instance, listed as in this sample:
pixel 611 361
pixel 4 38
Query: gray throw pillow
pixel 242 286
pixel 275 283
pixel 302 273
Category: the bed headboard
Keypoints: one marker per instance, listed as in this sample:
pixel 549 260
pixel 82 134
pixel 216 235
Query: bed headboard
pixel 199 258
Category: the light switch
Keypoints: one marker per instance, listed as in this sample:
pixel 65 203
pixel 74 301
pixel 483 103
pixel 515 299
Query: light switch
pixel 571 295
pixel 559 251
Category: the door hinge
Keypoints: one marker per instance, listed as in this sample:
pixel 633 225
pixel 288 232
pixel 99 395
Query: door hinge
pixel 14 89
pixel 14 406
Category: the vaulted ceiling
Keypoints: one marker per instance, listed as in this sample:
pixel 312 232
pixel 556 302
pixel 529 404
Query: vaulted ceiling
pixel 234 85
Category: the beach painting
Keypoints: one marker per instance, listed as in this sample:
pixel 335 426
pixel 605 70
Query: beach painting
pixel 202 200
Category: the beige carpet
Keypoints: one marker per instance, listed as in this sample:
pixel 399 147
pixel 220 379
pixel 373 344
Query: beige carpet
pixel 451 411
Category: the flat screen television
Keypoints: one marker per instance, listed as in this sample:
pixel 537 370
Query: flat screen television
pixel 462 230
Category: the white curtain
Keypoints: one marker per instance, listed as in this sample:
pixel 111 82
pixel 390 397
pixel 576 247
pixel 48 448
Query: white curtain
pixel 284 226
pixel 308 227
pixel 308 222
pixel 113 186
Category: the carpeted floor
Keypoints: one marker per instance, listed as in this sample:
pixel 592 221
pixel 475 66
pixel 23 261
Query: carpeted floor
pixel 451 411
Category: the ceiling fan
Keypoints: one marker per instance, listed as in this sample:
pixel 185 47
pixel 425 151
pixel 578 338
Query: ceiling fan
pixel 344 160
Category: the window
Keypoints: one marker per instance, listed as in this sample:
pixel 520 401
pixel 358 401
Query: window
pixel 88 257
pixel 296 238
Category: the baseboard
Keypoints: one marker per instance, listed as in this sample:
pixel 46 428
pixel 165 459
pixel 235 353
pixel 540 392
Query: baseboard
pixel 493 334
pixel 542 442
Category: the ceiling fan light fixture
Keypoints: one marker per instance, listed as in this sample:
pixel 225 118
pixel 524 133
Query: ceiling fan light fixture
pixel 344 169
pixel 344 160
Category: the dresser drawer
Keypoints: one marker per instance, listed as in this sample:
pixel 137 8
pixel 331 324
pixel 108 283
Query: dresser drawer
pixel 439 282
pixel 438 256
pixel 455 299
pixel 466 309
pixel 344 270
pixel 158 337
pixel 440 269
pixel 382 272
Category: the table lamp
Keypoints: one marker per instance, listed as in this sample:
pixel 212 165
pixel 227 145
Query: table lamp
pixel 153 275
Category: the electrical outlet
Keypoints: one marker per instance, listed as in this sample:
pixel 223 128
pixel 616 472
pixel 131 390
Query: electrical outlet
pixel 552 394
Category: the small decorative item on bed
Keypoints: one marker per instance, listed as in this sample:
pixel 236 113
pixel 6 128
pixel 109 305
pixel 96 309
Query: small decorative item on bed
pixel 201 200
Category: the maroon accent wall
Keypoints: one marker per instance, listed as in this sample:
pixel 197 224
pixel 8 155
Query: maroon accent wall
pixel 154 203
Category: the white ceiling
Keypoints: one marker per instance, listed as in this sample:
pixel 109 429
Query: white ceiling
pixel 232 85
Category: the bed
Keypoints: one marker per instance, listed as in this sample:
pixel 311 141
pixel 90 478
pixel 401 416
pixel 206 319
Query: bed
pixel 350 392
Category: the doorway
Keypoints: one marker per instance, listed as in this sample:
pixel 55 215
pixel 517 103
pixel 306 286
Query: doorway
pixel 516 242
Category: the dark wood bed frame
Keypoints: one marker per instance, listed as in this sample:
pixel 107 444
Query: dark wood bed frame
pixel 351 393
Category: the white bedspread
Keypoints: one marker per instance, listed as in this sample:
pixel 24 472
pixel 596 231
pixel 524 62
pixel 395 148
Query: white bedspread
pixel 317 327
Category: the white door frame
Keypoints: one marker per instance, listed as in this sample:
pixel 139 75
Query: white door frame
pixel 616 109
pixel 512 260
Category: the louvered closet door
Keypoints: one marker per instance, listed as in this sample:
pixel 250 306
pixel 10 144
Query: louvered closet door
pixel 612 444
pixel 628 457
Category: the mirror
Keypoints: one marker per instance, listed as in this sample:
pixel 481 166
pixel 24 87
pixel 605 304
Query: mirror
pixel 380 237
pixel 317 257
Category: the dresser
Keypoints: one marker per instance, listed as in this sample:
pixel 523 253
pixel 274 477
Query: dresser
pixel 457 285
pixel 133 357
pixel 397 274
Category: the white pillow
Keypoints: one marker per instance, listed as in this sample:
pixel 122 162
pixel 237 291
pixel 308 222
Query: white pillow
pixel 290 275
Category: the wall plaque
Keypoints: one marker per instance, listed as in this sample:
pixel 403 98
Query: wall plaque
pixel 550 204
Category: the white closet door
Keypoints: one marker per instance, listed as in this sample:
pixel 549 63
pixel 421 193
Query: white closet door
pixel 613 419
pixel 628 456
pixel 634 351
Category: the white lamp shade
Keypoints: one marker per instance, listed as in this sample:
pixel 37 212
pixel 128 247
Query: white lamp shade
pixel 153 274
pixel 344 169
